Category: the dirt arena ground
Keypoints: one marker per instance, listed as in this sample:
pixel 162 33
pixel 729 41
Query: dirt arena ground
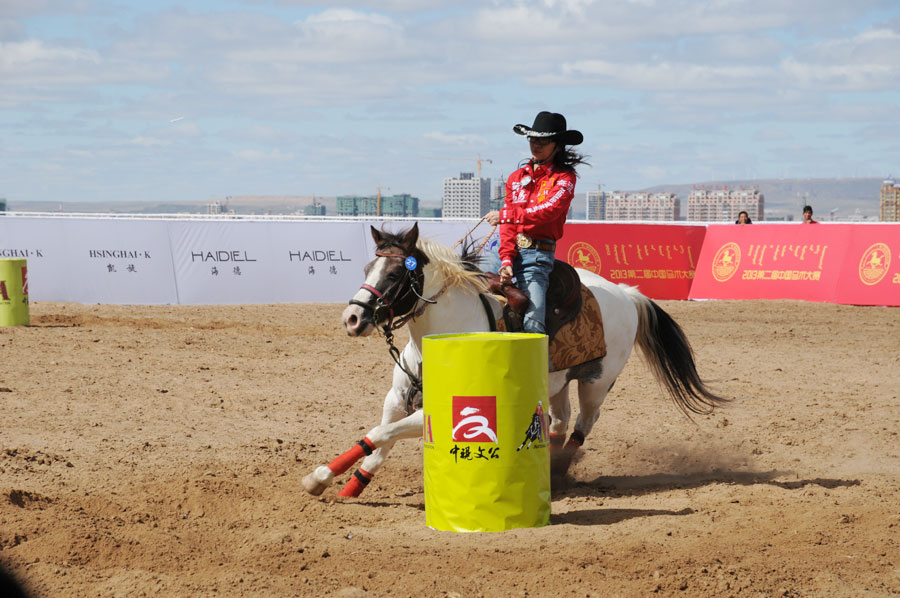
pixel 152 451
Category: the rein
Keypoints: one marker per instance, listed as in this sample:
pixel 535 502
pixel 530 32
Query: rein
pixel 396 323
pixel 472 230
pixel 393 323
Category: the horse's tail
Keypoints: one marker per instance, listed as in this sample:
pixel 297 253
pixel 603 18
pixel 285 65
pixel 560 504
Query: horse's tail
pixel 669 354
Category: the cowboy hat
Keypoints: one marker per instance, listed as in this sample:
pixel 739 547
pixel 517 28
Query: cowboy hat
pixel 550 124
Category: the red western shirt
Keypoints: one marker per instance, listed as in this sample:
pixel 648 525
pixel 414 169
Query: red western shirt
pixel 537 201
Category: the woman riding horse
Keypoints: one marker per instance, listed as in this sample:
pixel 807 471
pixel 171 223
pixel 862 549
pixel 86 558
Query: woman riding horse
pixel 435 292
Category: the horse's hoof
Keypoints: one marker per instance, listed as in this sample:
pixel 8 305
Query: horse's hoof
pixel 312 485
pixel 560 461
pixel 558 483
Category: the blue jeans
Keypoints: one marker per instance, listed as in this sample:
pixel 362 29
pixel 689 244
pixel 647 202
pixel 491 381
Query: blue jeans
pixel 532 271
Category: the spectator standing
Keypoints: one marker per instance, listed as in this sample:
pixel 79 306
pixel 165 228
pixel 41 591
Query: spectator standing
pixel 808 215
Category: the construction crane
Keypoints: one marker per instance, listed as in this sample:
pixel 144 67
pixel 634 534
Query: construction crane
pixel 477 160
pixel 378 208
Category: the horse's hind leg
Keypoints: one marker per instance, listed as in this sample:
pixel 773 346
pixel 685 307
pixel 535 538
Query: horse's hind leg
pixel 560 412
pixel 593 385
pixel 590 398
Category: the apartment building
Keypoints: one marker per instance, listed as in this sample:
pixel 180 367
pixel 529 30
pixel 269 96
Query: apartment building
pixel 466 197
pixel 721 204
pixel 642 205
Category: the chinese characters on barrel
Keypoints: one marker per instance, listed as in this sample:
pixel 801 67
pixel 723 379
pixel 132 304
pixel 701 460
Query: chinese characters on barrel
pixel 466 453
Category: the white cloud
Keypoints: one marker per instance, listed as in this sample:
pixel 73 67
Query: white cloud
pixel 255 155
pixel 772 134
pixel 345 16
pixel 374 87
pixel 662 76
pixel 653 173
pixel 148 141
pixel 869 60
pixel 457 139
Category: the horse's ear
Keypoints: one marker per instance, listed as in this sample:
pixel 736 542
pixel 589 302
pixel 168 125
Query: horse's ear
pixel 411 238
pixel 377 236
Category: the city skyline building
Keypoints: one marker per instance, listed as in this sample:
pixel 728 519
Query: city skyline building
pixel 466 197
pixel 402 205
pixel 595 204
pixel 499 195
pixel 724 204
pixel 664 206
pixel 889 203
pixel 315 209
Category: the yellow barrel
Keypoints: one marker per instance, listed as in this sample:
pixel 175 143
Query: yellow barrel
pixel 13 292
pixel 487 464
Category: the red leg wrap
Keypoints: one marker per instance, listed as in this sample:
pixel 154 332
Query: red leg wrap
pixel 346 461
pixel 556 442
pixel 575 441
pixel 357 483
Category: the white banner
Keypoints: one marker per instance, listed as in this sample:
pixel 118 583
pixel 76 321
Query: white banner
pixel 318 263
pixel 445 233
pixel 200 262
pixel 91 260
pixel 41 242
pixel 223 262
pixel 123 262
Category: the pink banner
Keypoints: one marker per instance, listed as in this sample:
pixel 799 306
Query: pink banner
pixel 660 259
pixel 871 270
pixel 838 263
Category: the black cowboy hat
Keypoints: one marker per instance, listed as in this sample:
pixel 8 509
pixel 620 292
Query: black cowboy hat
pixel 550 124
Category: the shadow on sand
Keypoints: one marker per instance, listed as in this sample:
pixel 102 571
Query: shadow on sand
pixel 610 516
pixel 661 482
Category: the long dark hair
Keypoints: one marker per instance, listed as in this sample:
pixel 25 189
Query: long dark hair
pixel 567 159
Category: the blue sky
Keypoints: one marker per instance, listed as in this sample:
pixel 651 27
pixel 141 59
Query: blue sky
pixel 106 100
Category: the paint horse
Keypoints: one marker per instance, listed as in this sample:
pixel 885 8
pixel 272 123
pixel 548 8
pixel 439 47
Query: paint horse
pixel 430 289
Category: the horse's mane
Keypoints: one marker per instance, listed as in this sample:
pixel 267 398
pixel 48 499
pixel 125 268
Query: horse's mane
pixel 455 270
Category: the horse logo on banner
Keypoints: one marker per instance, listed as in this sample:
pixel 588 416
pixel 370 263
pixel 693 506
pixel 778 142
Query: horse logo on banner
pixel 875 263
pixel 584 256
pixel 726 262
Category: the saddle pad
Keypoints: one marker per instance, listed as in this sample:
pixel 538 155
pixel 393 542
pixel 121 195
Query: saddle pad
pixel 578 341
pixel 581 340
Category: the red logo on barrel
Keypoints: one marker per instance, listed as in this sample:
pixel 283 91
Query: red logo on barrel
pixel 475 419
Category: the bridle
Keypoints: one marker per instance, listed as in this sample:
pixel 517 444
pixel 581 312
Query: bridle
pixel 413 278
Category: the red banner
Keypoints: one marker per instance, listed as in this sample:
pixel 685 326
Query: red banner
pixel 660 259
pixel 871 269
pixel 771 261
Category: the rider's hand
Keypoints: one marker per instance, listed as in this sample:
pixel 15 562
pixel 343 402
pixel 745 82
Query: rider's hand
pixel 493 217
pixel 506 274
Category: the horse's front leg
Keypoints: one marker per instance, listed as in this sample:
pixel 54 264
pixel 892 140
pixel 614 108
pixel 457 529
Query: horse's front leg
pixel 375 446
pixel 383 437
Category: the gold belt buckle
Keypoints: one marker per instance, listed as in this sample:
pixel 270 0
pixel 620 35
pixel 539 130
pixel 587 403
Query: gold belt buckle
pixel 524 241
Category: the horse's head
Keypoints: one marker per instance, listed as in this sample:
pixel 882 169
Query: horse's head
pixel 393 283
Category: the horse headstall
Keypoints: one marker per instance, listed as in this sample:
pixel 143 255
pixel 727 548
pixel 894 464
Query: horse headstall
pixel 392 302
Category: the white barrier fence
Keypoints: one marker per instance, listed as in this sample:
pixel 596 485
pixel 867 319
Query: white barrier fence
pixel 197 262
